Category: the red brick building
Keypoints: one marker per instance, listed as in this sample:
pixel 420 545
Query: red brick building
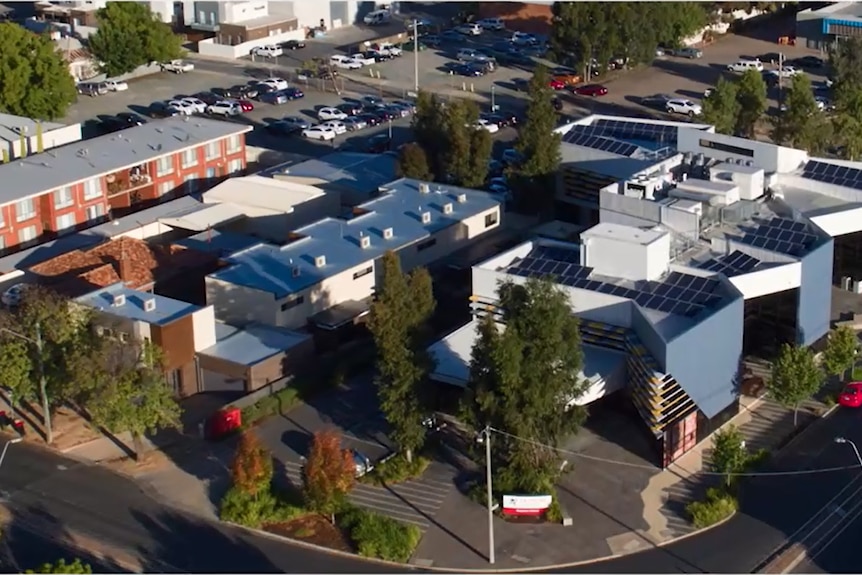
pixel 532 17
pixel 82 184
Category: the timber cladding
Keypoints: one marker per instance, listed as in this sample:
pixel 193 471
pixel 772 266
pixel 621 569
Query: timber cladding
pixel 177 341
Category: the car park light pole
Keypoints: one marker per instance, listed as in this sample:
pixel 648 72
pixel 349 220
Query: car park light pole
pixel 490 495
pixel 493 99
pixel 416 56
pixel 853 445
pixel 5 447
pixel 37 341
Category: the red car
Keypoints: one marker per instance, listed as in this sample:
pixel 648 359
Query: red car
pixel 246 105
pixel 591 90
pixel 852 395
pixel 556 84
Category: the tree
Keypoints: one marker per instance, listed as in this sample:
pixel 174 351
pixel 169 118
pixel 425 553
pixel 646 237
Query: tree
pixel 795 377
pixel 16 369
pixel 839 357
pixel 539 146
pixel 481 147
pixel 135 395
pixel 845 60
pixel 847 122
pixel 729 455
pixel 721 108
pixel 428 130
pixel 75 567
pixel 522 375
pixel 34 79
pixel 251 469
pixel 329 473
pixel 130 35
pixel 751 95
pixel 413 163
pixel 403 304
pixel 801 124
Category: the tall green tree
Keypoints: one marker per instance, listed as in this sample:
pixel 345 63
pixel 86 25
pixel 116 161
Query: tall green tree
pixel 34 79
pixel 751 95
pixel 402 305
pixel 428 129
pixel 795 377
pixel 522 374
pixel 847 122
pixel 459 117
pixel 481 148
pixel 842 347
pixel 130 35
pixel 845 60
pixel 539 146
pixel 721 108
pixel 413 162
pixel 16 371
pixel 729 455
pixel 801 124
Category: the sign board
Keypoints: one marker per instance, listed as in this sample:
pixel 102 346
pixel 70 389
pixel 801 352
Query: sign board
pixel 526 504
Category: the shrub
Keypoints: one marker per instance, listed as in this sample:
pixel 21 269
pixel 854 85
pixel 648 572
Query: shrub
pixel 379 537
pixel 397 469
pixel 240 507
pixel 554 514
pixel 718 505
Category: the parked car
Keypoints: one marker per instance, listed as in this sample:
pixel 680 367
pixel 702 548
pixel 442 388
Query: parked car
pixel 591 90
pixel 556 84
pixel 411 106
pixel 495 24
pixel 267 51
pixel 319 133
pixel 121 121
pixel 370 118
pixel 163 110
pixel 328 113
pixel 350 108
pixel 451 36
pixel 382 113
pixel 397 111
pixel 683 106
pixel 511 157
pixel 809 62
pixel 369 100
pixel 177 66
pixel 116 85
pixel 240 91
pixel 565 75
pixel 745 66
pixel 851 396
pixel 690 53
pixel 92 89
pixel 362 464
pixel 288 125
pixel 377 56
pixel 487 125
pixel 336 125
pixel 275 82
pixel 209 98
pixel 198 105
pixel 185 108
pixel 521 84
pixel 378 144
pixel 292 45
pixel 354 123
pixel 131 118
pixel 658 101
pixel 363 59
pixel 12 297
pixel 501 120
pixel 225 108
pixel 387 48
pixel 785 72
pixel 344 62
pixel 469 29
pixel 467 70
pixel 276 98
pixel 523 39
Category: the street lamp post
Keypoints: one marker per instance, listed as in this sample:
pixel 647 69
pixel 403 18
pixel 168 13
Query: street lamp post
pixel 416 56
pixel 390 128
pixel 493 99
pixel 853 445
pixel 5 447
pixel 489 495
pixel 37 341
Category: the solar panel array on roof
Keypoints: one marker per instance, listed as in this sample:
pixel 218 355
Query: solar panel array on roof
pixel 601 143
pixel 638 130
pixel 733 264
pixel 680 294
pixel 781 235
pixel 833 174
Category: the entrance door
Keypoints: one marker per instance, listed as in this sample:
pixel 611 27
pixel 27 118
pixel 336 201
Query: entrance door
pixel 679 438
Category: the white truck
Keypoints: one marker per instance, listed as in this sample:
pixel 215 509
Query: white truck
pixel 177 66
pixel 388 49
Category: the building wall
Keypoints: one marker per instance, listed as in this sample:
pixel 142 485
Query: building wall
pixel 239 33
pixel 815 294
pixel 43 222
pixel 50 139
pixel 705 360
pixel 203 323
pixel 449 240
pixel 239 305
pixel 236 12
pixel 765 155
pixel 177 340
pixel 279 366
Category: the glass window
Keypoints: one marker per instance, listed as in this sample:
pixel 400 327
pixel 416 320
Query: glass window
pixel 27 234
pixel 65 222
pixel 2 218
pixel 233 144
pixel 234 166
pixel 165 188
pixel 165 165
pixel 190 183
pixel 213 150
pixel 24 210
pixel 93 189
pixel 190 158
pixel 63 197
pixel 491 219
pixel 95 212
pixel 291 303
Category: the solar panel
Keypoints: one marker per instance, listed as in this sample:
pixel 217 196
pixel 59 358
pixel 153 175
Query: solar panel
pixel 740 261
pixel 569 281
pixel 652 132
pixel 603 143
pixel 593 285
pixel 556 254
pixel 643 298
pixel 833 174
pixel 667 305
pixel 581 283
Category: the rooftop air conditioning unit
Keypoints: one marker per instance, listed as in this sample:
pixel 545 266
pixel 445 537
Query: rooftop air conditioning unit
pixel 365 242
pixel 295 272
pixel 150 305
pixel 462 198
pixel 447 209
pixel 426 217
pixel 119 300
pixel 387 234
pixel 424 188
pixel 319 261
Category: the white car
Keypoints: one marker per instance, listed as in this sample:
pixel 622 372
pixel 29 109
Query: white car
pixel 12 296
pixel 319 133
pixel 682 106
pixel 116 85
pixel 389 49
pixel 225 108
pixel 471 29
pixel 185 108
pixel 352 124
pixel 363 59
pixel 523 39
pixel 268 51
pixel 328 113
pixel 177 66
pixel 344 62
pixel 489 127
pixel 745 66
pixel 491 24
pixel 337 126
pixel 275 82
pixel 199 106
pixel 785 72
pixel 823 104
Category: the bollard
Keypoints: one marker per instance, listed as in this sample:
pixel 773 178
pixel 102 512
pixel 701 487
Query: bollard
pixel 471 88
pixel 18 425
pixel 370 72
pixel 463 86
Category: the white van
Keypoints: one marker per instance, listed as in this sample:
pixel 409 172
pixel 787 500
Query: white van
pixel 745 66
pixel 377 17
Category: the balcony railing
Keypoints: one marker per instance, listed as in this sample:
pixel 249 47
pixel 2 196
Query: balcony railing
pixel 134 179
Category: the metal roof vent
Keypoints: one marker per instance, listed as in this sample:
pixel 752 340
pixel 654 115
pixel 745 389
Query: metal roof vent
pixel 319 261
pixel 387 234
pixel 426 217
pixel 365 242
pixel 118 300
pixel 150 304
pixel 424 188
pixel 462 198
pixel 295 272
pixel 447 209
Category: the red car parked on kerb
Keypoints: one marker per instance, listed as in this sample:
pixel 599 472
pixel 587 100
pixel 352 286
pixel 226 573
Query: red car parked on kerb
pixel 591 90
pixel 852 395
pixel 556 84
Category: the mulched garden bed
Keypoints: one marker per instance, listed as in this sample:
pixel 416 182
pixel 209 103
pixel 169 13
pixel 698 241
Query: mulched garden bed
pixel 314 529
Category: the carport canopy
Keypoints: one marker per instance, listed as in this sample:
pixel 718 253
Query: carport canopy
pixel 341 314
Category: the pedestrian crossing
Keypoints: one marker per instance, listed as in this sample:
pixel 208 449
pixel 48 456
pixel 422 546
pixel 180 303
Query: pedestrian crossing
pixel 415 502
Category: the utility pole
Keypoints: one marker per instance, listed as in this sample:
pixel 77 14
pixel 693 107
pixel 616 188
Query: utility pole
pixel 490 495
pixel 780 80
pixel 493 99
pixel 416 56
pixel 46 411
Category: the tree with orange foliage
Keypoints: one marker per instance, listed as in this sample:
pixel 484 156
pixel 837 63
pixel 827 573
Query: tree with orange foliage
pixel 251 469
pixel 329 473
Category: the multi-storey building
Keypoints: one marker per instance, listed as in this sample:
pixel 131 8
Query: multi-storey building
pixel 81 184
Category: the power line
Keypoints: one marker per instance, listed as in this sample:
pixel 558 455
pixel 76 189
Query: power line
pixel 652 467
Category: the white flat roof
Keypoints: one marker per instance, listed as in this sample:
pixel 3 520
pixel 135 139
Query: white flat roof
pixel 627 234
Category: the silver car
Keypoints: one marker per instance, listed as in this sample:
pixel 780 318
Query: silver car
pixel 353 124
pixel 690 53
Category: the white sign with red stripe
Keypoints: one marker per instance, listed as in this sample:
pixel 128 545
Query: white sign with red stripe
pixel 526 504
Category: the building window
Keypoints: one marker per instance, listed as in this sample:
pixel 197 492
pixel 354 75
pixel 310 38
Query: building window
pixel 363 273
pixel 93 189
pixel 190 183
pixel 165 188
pixel 2 242
pixel 164 165
pixel 190 158
pixel 213 150
pixel 234 166
pixel 491 220
pixel 233 144
pixel 25 210
pixel 292 303
pixel 27 234
pixel 63 197
pixel 726 148
pixel 429 243
pixel 211 173
pixel 95 212
pixel 64 222
pixel 2 219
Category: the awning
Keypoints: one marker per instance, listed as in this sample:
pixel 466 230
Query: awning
pixel 207 218
pixel 341 314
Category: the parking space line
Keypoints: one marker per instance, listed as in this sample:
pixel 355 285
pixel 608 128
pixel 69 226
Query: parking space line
pixel 401 501
pixel 419 500
pixel 429 484
pixel 387 505
pixel 417 492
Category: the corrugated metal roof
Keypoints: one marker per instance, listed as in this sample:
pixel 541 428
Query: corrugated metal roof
pixel 252 344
